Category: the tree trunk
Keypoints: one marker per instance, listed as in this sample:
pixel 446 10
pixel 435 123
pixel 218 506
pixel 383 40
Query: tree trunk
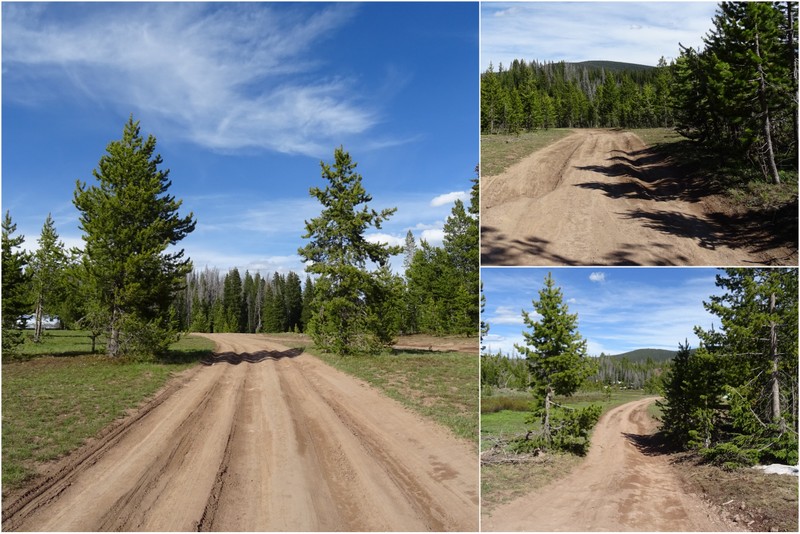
pixel 37 327
pixel 762 97
pixel 775 379
pixel 548 399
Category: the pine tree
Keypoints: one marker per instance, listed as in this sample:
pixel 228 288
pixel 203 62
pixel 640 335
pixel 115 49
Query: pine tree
pixel 47 275
pixel 293 302
pixel 758 354
pixel 554 349
pixel 129 220
pixel 308 304
pixel 15 295
pixel 340 254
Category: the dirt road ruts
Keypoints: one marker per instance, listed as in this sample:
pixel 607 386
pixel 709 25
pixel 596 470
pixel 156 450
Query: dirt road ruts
pixel 263 438
pixel 623 485
pixel 602 197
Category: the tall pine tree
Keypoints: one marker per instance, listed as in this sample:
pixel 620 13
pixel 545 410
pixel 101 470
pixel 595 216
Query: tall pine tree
pixel 129 221
pixel 338 251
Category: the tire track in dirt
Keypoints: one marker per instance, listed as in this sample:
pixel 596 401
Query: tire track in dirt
pixel 602 197
pixel 265 438
pixel 623 485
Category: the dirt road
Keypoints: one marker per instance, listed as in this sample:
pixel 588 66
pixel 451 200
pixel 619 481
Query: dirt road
pixel 262 438
pixel 601 197
pixel 623 485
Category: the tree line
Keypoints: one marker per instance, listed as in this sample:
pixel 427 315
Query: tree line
pixel 736 97
pixel 131 285
pixel 503 371
pixel 529 96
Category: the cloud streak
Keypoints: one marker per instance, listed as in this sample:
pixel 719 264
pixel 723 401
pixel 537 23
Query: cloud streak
pixel 635 32
pixel 227 78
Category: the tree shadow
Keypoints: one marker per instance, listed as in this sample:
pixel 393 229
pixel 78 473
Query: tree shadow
pixel 651 444
pixel 718 229
pixel 254 357
pixel 652 174
pixel 499 249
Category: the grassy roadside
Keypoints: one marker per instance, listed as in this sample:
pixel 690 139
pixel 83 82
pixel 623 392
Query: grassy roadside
pixel 54 402
pixel 498 152
pixel 442 386
pixel 503 483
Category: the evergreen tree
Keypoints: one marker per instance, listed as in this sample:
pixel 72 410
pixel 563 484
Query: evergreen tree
pixel 692 395
pixel 308 304
pixel 555 351
pixel 338 252
pixel 293 301
pixel 232 302
pixel 46 273
pixel 758 353
pixel 15 296
pixel 129 220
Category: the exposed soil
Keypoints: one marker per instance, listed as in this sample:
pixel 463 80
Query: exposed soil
pixel 602 197
pixel 260 438
pixel 625 484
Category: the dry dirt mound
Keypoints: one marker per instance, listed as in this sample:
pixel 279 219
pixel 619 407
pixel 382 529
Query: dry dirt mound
pixel 263 438
pixel 602 197
pixel 623 485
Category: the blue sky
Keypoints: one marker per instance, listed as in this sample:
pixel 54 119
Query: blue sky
pixel 619 309
pixel 245 100
pixel 632 32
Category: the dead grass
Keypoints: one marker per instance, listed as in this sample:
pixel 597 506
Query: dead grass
pixel 502 483
pixel 750 498
pixel 498 152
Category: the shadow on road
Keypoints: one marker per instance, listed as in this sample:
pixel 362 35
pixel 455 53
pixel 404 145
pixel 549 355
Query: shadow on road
pixel 255 357
pixel 654 175
pixel 650 444
pixel 497 248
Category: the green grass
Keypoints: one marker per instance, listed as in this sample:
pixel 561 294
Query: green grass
pixel 508 423
pixel 499 152
pixel 439 385
pixel 658 136
pixel 53 403
pixel 59 343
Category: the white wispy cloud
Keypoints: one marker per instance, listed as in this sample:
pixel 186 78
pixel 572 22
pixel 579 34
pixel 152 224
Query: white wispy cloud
pixel 597 277
pixel 232 77
pixel 505 315
pixel 636 32
pixel 449 198
pixel 392 240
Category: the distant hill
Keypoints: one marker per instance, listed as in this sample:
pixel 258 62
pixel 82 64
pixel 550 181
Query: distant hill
pixel 641 355
pixel 614 65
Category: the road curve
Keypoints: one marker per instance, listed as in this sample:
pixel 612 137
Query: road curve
pixel 262 438
pixel 623 485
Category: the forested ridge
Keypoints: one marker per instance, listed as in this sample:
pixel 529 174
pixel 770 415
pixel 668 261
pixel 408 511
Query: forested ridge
pixel 736 97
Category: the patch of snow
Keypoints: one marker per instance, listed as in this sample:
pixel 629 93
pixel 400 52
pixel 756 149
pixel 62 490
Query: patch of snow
pixel 778 469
